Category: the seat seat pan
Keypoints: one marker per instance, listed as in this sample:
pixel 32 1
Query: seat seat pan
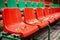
pixel 56 16
pixel 50 18
pixel 39 23
pixel 21 28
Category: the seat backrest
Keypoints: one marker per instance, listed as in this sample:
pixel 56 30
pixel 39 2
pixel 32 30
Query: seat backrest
pixel 52 10
pixel 2 4
pixel 57 9
pixel 41 5
pixel 11 3
pixel 11 16
pixel 39 13
pixel 46 11
pixel 36 0
pixel 21 5
pixel 51 5
pixel 21 0
pixel 29 14
pixel 29 4
pixel 34 5
pixel 54 5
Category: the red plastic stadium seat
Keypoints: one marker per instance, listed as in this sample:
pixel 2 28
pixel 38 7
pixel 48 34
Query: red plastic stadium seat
pixel 44 17
pixel 57 11
pixel 49 16
pixel 13 23
pixel 54 12
pixel 30 18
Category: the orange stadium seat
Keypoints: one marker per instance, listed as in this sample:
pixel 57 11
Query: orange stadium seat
pixel 30 18
pixel 53 12
pixel 48 16
pixel 13 23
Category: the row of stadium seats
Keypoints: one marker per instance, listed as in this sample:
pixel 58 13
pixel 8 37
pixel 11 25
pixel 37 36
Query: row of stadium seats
pixel 33 21
pixel 55 5
pixel 21 4
pixel 28 0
